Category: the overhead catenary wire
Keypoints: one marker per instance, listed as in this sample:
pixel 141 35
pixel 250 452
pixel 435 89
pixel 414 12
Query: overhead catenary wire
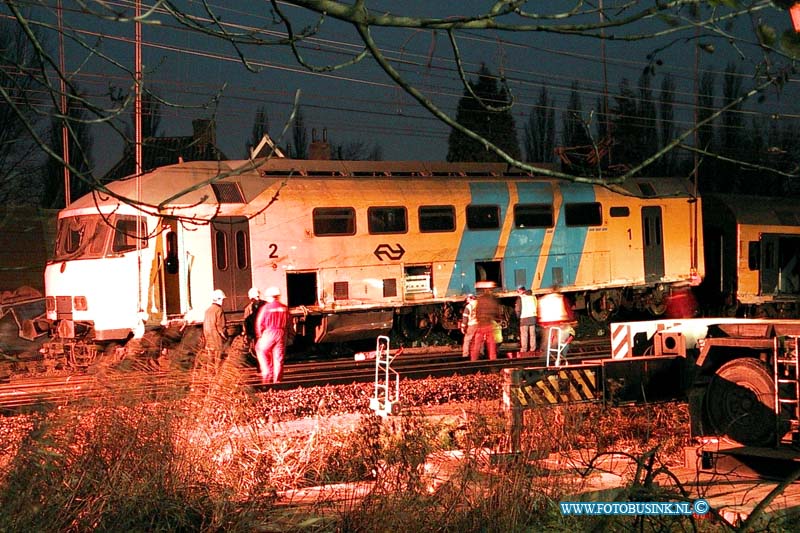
pixel 409 63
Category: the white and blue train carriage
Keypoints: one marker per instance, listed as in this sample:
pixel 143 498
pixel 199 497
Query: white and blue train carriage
pixel 359 247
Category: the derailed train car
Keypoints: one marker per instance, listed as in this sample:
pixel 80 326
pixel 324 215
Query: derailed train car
pixel 752 248
pixel 357 248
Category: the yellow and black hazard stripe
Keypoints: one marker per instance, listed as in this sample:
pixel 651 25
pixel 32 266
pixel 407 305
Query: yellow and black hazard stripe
pixel 555 386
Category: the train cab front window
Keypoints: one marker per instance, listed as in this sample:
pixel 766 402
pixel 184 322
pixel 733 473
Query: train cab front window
pixel 81 237
pixel 127 236
pixel 91 236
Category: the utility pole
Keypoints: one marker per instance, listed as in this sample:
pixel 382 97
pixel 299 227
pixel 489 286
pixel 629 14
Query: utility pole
pixel 64 108
pixel 138 88
pixel 137 137
pixel 605 81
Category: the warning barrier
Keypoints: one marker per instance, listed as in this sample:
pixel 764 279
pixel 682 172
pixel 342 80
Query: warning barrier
pixel 550 387
pixel 614 381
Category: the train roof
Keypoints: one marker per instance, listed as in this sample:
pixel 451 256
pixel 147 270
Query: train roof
pixel 756 210
pixel 195 178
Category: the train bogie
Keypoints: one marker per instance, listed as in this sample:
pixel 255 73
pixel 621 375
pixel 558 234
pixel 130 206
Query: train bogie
pixel 359 248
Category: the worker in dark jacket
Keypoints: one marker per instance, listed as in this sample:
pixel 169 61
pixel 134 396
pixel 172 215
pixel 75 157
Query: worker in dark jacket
pixel 250 315
pixel 214 330
pixel 487 313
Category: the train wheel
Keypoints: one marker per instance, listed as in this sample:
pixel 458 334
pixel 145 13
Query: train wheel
pixel 603 304
pixel 657 308
pixel 740 402
pixel 731 310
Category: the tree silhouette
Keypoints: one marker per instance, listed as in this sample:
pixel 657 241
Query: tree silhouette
pixel 574 130
pixel 666 27
pixel 299 137
pixel 357 151
pixel 151 115
pixel 647 126
pixel 666 115
pixel 20 156
pixel 260 127
pixel 540 130
pixel 484 109
pixel 79 150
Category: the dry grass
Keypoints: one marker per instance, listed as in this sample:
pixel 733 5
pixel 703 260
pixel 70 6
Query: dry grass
pixel 212 459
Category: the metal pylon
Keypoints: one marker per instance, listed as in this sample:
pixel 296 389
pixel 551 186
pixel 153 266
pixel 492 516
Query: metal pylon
pixel 387 397
pixel 555 348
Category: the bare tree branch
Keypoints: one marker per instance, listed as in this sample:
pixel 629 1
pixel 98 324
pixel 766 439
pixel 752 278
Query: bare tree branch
pixel 680 21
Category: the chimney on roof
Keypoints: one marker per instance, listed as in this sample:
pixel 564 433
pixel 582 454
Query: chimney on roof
pixel 204 132
pixel 319 149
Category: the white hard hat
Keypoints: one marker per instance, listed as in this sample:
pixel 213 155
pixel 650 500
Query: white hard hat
pixel 254 293
pixel 273 292
pixel 218 295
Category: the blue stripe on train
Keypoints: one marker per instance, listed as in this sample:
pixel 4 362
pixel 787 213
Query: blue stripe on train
pixel 477 245
pixel 568 243
pixel 525 244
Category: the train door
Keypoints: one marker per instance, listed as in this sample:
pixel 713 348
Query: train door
pixel 652 235
pixel 171 270
pixel 301 289
pixel 231 251
pixel 780 264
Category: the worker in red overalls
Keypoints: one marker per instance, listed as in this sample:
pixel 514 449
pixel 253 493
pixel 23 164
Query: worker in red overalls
pixel 487 314
pixel 271 323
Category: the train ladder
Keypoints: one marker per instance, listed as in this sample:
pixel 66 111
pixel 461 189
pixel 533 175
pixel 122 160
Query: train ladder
pixel 387 397
pixel 786 371
pixel 555 348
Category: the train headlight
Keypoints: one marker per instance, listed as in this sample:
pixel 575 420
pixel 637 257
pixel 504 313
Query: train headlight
pixel 50 304
pixel 79 303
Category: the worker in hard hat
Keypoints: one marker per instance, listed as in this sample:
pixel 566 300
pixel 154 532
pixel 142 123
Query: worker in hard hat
pixel 526 309
pixel 271 323
pixel 214 329
pixel 250 314
pixel 469 322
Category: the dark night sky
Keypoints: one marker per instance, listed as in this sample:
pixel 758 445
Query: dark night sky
pixel 360 103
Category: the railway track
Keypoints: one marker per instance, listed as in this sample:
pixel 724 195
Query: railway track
pixel 153 385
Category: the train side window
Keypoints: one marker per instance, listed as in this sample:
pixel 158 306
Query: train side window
pixel 533 216
pixel 435 218
pixel 583 214
pixel 619 212
pixel 382 220
pixel 125 234
pixel 241 250
pixel 221 249
pixel 329 221
pixel 754 255
pixel 483 217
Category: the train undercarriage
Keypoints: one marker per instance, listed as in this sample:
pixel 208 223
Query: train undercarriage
pixel 74 344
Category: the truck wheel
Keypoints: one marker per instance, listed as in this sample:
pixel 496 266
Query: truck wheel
pixel 740 403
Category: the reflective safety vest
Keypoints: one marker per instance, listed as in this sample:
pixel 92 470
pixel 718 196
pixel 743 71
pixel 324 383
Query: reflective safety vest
pixel 528 306
pixel 469 317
